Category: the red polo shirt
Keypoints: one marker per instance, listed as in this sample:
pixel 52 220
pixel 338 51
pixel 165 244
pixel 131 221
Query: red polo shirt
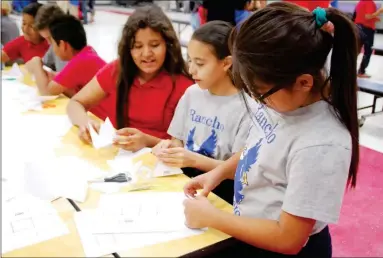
pixel 362 8
pixel 22 48
pixel 79 71
pixel 151 105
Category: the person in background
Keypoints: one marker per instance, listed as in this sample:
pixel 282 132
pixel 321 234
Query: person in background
pixel 70 44
pixel 145 82
pixel 29 45
pixel 203 134
pixel 219 10
pixel 74 6
pixel 311 5
pixel 195 20
pixel 302 149
pixel 44 17
pixel 366 17
pixel 243 10
pixel 9 29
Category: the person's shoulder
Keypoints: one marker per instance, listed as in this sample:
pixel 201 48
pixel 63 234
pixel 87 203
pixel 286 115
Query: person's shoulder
pixel 193 90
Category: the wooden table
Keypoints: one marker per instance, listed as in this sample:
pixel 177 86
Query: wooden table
pixel 70 245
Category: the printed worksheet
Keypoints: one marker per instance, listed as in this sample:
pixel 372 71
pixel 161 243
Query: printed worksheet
pixel 27 221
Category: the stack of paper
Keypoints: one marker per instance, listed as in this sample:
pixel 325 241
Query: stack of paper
pixel 28 221
pixel 132 220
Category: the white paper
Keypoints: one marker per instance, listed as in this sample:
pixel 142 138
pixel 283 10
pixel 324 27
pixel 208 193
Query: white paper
pixel 141 212
pixel 105 136
pixel 123 161
pixel 60 177
pixel 27 221
pixel 97 243
pixel 15 71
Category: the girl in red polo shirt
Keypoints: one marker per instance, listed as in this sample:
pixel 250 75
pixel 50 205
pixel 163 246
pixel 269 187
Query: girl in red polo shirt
pixel 146 81
pixel 29 45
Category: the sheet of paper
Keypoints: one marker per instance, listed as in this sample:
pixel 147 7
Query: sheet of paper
pixel 104 137
pixel 15 71
pixel 141 212
pixel 124 160
pixel 99 244
pixel 60 177
pixel 27 221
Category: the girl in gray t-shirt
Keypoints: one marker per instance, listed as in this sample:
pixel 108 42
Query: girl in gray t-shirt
pixel 210 123
pixel 302 148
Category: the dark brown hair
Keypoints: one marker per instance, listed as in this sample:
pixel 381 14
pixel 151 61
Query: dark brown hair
pixel 282 41
pixel 46 14
pixel 149 16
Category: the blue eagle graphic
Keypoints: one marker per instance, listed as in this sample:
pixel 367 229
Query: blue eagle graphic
pixel 248 158
pixel 208 146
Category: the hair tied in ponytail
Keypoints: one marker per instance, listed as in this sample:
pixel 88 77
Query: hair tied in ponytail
pixel 320 17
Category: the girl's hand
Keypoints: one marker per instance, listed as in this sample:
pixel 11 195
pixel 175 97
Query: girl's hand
pixel 130 139
pixel 198 212
pixel 207 182
pixel 164 144
pixel 84 134
pixel 177 157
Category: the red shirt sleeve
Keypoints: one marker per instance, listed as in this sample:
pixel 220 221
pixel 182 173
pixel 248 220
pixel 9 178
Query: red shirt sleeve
pixel 182 83
pixel 12 48
pixel 107 76
pixel 68 77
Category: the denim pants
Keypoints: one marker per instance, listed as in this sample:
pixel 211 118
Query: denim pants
pixel 367 41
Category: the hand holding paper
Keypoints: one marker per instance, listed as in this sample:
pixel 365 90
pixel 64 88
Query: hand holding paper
pixel 84 133
pixel 130 139
pixel 105 135
pixel 177 157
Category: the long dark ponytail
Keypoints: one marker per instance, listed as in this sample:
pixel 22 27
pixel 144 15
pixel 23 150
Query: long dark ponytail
pixel 282 41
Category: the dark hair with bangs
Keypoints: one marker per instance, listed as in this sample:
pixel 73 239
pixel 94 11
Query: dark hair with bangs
pixel 148 16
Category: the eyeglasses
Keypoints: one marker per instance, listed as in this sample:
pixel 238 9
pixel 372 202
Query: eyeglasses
pixel 262 97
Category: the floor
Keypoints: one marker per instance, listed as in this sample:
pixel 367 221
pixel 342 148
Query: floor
pixel 105 33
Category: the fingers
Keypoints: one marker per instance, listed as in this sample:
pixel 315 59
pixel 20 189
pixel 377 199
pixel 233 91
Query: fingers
pixel 126 131
pixel 172 162
pixel 84 135
pixel 123 140
pixel 164 144
pixel 95 125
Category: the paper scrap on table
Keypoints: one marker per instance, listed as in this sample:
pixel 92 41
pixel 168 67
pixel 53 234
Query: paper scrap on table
pixel 60 177
pixel 105 136
pixel 124 159
pixel 14 71
pixel 27 221
pixel 115 213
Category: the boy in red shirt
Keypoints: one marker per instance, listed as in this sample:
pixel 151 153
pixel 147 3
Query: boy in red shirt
pixel 70 44
pixel 366 17
pixel 29 45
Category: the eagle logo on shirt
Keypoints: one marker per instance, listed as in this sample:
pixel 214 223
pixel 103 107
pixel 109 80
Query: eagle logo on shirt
pixel 247 160
pixel 207 148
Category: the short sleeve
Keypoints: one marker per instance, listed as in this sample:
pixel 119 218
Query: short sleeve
pixel 12 48
pixel 370 7
pixel 176 128
pixel 182 83
pixel 317 178
pixel 242 133
pixel 68 77
pixel 107 76
pixel 48 58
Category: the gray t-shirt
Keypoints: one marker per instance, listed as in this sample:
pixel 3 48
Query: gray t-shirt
pixel 9 29
pixel 297 162
pixel 214 126
pixel 52 61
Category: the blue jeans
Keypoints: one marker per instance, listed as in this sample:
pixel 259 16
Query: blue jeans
pixel 195 20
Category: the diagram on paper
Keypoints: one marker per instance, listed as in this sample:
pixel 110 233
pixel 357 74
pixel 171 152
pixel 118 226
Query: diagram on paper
pixel 23 225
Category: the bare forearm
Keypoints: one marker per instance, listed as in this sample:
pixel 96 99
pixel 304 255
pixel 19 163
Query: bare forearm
pixel 77 113
pixel 206 164
pixel 42 80
pixel 262 233
pixel 151 141
pixel 227 168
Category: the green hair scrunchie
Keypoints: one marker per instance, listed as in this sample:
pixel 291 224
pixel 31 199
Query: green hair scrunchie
pixel 320 17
